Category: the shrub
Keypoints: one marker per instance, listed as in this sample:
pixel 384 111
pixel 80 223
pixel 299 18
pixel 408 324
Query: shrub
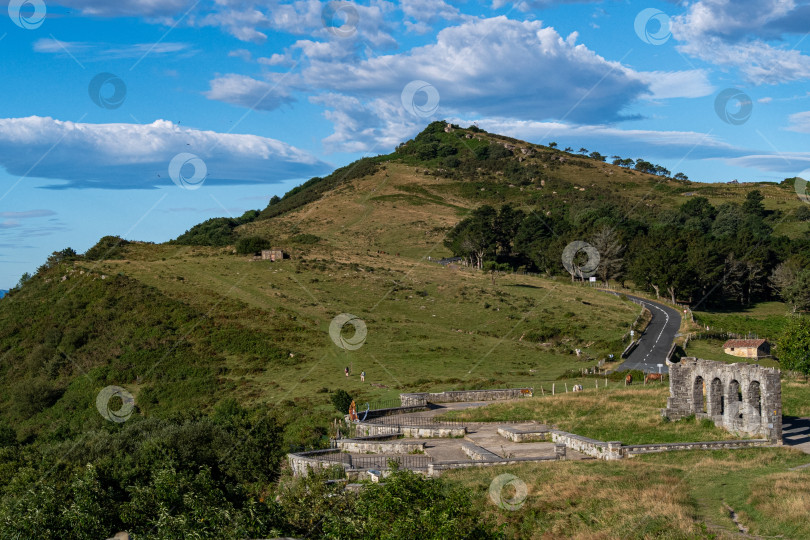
pixel 342 401
pixel 251 244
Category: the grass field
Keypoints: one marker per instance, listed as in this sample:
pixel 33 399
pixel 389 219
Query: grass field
pixel 676 495
pixel 429 327
pixel 629 415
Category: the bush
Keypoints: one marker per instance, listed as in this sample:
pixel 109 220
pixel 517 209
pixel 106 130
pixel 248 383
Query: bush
pixel 109 247
pixel 306 239
pixel 342 401
pixel 251 244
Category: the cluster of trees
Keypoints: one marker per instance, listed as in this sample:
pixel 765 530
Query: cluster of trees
pixel 215 476
pixel 698 253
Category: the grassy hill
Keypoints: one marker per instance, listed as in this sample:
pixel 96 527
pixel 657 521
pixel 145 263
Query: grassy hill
pixel 212 343
pixel 188 325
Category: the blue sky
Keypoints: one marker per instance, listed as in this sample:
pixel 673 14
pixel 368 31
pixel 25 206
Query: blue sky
pixel 143 117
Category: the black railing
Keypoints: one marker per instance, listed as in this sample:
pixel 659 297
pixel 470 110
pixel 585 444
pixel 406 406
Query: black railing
pixel 384 462
pixel 415 421
pixel 383 404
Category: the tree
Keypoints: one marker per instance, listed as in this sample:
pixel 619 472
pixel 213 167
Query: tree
pixel 608 243
pixel 753 204
pixel 342 401
pixel 251 244
pixel 552 145
pixel 475 238
pixel 680 176
pixel 793 346
pixel 792 283
pixel 507 224
pixel 583 150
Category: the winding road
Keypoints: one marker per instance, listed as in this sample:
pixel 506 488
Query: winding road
pixel 656 340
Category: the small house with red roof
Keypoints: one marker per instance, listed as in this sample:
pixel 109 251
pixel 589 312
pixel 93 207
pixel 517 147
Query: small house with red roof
pixel 747 348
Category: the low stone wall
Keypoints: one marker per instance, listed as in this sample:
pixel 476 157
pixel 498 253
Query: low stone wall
pixel 477 453
pixel 589 447
pixel 637 449
pixel 412 432
pixel 519 435
pixel 358 446
pixel 302 462
pixel 435 469
pixel 456 396
pixel 616 450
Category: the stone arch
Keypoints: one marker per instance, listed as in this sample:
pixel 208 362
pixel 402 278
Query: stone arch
pixel 734 399
pixel 698 405
pixel 754 398
pixel 715 397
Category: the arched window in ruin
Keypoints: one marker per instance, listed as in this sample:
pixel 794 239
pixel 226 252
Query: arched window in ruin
pixel 754 397
pixel 735 395
pixel 715 397
pixel 698 405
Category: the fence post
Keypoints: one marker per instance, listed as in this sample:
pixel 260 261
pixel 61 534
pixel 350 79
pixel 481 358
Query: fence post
pixel 552 389
pixel 566 388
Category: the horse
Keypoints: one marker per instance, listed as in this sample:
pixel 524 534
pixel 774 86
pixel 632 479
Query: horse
pixel 577 388
pixel 628 380
pixel 653 377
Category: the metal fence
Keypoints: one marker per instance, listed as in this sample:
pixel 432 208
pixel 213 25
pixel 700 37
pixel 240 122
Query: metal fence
pixel 415 421
pixel 383 404
pixel 384 462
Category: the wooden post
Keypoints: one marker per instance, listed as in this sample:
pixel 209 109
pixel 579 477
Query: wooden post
pixel 552 389
pixel 566 388
pixel 543 392
pixel 597 383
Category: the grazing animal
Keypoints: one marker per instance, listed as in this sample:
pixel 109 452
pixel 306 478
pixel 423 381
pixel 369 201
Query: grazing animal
pixel 628 380
pixel 577 388
pixel 653 377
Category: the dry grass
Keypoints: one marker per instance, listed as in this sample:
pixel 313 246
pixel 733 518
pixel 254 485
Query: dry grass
pixel 589 500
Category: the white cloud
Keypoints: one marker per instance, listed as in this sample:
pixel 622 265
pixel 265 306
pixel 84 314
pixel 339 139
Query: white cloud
pixel 122 156
pixel 125 8
pixel 737 34
pixel 421 14
pixel 799 122
pixel 248 92
pixel 659 143
pixel 791 163
pixel 676 84
pixel 494 66
pixel 765 100
pixel 106 51
pixel 28 214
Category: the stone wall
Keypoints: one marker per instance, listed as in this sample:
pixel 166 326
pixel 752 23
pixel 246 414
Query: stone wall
pixel 477 453
pixel 413 432
pixel 455 396
pixel 435 469
pixel 616 450
pixel 589 447
pixel 742 398
pixel 518 435
pixel 379 447
pixel 302 462
pixel 636 449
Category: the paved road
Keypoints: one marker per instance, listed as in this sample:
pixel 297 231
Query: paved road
pixel 657 339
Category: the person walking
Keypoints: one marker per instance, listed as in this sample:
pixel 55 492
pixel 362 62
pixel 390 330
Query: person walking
pixel 362 376
pixel 346 371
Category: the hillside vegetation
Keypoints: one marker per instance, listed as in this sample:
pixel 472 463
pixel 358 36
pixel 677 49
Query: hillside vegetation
pixel 216 347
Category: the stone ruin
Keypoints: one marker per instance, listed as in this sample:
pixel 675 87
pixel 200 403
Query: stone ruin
pixel 742 398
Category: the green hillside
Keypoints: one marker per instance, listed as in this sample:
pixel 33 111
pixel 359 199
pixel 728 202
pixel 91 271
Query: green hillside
pixel 215 346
